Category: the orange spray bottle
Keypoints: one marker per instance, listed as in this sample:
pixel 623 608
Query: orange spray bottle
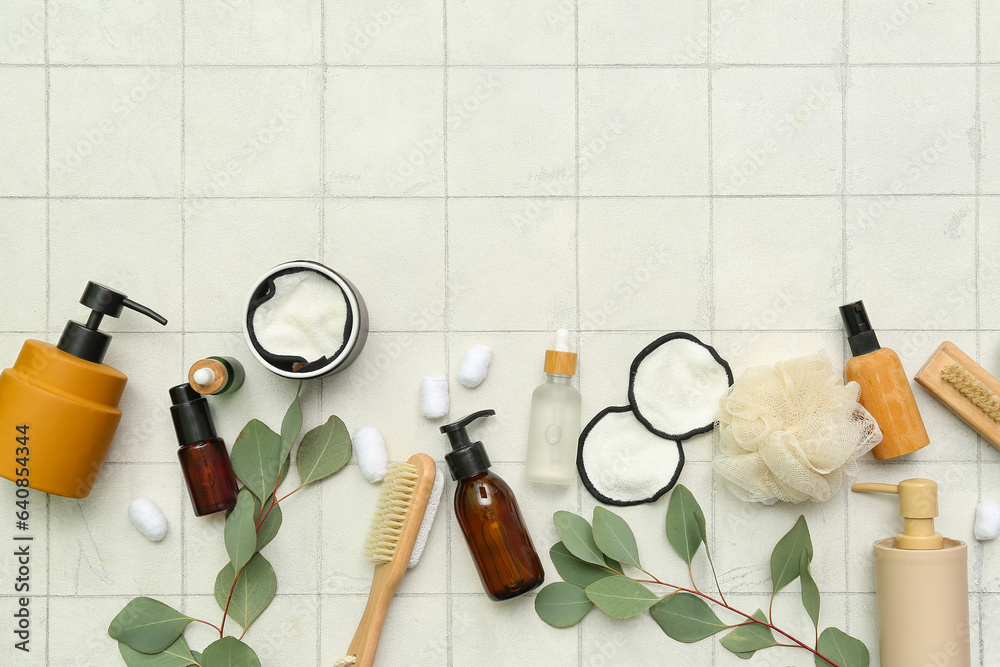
pixel 59 403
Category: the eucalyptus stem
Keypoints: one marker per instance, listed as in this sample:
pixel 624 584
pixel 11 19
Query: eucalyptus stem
pixel 750 619
pixel 211 625
pixel 225 612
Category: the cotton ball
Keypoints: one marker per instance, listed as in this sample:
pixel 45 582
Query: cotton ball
pixel 147 517
pixel 987 520
pixel 434 396
pixel 475 364
pixel 373 458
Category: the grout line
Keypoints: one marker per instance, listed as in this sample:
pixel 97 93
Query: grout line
pixel 576 234
pixel 48 309
pixel 183 158
pixel 844 79
pixel 449 603
pixel 322 258
pixel 711 258
pixel 517 332
pixel 978 552
pixel 773 195
pixel 717 65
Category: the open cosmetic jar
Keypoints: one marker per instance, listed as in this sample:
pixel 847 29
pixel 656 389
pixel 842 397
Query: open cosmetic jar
pixel 304 320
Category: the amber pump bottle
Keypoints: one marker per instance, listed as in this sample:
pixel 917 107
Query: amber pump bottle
pixel 885 388
pixel 59 403
pixel 209 472
pixel 490 519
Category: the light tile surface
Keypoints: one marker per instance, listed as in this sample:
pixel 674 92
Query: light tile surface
pixel 487 172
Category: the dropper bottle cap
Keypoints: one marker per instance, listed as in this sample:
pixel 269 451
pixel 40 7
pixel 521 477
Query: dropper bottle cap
pixel 466 458
pixel 84 340
pixel 560 361
pixel 918 505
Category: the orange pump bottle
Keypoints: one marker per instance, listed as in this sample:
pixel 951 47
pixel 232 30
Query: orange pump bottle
pixel 59 403
pixel 490 518
pixel 885 388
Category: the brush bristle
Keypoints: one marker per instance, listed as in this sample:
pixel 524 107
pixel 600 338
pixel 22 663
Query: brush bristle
pixel 974 390
pixel 390 513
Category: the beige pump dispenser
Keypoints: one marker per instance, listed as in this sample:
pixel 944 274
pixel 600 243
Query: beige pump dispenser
pixel 921 584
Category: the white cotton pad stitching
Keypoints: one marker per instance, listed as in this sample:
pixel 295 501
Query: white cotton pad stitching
pixel 675 387
pixel 625 462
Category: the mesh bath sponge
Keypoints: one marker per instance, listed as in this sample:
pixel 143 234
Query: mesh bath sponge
pixel 791 432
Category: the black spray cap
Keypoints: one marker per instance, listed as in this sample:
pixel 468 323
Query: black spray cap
pixel 191 414
pixel 466 458
pixel 84 340
pixel 859 329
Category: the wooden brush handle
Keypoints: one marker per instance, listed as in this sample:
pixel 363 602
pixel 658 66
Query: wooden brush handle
pixel 388 575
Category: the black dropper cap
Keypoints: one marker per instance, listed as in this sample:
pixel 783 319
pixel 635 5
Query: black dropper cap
pixel 191 414
pixel 466 458
pixel 859 329
pixel 84 340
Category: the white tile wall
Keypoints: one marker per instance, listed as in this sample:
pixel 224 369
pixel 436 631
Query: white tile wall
pixel 486 172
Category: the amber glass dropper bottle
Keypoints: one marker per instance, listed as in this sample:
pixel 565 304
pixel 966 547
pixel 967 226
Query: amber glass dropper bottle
pixel 205 461
pixel 490 519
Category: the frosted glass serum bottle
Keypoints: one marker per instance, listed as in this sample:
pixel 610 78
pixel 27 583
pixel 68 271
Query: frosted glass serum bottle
pixel 554 426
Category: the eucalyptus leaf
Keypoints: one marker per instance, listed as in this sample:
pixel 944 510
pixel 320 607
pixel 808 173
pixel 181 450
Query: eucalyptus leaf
pixel 176 655
pixel 686 618
pixel 229 652
pixel 240 532
pixel 749 637
pixel 614 537
pixel 324 450
pixel 148 625
pixel 841 648
pixel 787 554
pixel 269 528
pixel 577 572
pixel 562 605
pixel 810 591
pixel 256 458
pixel 683 528
pixel 197 656
pixel 253 592
pixel 577 535
pixel 290 426
pixel 621 597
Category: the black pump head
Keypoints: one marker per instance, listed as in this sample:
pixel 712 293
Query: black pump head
pixel 860 335
pixel 466 458
pixel 84 340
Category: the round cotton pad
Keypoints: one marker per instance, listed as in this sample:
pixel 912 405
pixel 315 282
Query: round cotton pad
pixel 675 386
pixel 623 463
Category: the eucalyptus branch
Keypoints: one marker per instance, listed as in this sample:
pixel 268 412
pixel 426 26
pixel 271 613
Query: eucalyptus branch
pixel 259 457
pixel 750 619
pixel 587 559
